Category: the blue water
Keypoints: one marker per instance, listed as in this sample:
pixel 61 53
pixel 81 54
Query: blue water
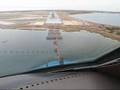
pixel 103 18
pixel 22 51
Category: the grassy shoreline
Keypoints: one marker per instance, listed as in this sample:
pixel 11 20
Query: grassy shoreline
pixel 35 20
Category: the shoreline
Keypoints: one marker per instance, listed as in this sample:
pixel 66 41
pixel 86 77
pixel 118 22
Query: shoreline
pixel 69 24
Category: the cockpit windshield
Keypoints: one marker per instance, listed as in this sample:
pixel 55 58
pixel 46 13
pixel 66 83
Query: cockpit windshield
pixel 37 39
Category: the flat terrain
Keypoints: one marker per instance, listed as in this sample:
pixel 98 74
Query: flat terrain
pixel 35 20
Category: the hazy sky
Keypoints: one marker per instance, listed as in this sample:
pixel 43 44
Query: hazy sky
pixel 108 5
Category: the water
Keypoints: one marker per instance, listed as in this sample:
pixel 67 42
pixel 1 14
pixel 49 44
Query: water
pixel 22 51
pixel 103 18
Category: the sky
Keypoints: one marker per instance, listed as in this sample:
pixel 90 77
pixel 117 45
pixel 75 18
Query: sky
pixel 101 5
